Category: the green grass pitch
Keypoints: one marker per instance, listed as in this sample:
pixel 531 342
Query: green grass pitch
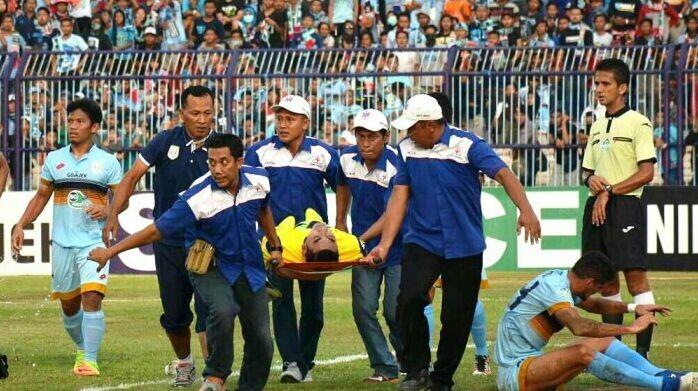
pixel 135 348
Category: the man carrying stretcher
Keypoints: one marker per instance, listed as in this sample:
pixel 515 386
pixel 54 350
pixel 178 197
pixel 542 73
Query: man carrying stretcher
pixel 312 250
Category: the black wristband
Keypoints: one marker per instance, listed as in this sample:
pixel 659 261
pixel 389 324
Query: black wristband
pixel 586 180
pixel 278 248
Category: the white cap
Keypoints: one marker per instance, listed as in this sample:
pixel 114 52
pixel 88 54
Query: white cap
pixel 370 119
pixel 420 107
pixel 295 104
pixel 150 30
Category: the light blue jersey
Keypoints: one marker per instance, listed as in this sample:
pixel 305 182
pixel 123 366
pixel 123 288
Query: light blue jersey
pixel 76 184
pixel 529 322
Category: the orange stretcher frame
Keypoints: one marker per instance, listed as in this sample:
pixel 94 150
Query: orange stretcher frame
pixel 314 270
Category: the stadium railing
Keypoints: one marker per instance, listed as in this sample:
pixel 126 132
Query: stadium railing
pixel 516 98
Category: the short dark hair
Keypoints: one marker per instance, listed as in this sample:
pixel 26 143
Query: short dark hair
pixel 596 265
pixel 197 91
pixel 445 103
pixel 90 107
pixel 321 256
pixel 45 9
pixel 227 140
pixel 66 19
pixel 210 1
pixel 620 70
pixel 565 17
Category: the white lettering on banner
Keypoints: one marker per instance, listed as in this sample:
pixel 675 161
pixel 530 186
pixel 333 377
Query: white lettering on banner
pixel 491 209
pixel 131 221
pixel 671 229
pixel 35 253
pixel 533 255
pixel 660 228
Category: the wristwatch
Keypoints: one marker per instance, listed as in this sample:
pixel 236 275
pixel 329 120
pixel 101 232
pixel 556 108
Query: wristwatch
pixel 278 248
pixel 609 189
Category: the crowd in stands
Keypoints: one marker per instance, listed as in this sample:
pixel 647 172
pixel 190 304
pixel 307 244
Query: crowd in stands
pixel 537 110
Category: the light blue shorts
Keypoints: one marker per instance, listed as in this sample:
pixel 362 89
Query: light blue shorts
pixel 512 378
pixel 74 274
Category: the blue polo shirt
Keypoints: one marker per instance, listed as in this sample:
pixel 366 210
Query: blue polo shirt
pixel 297 182
pixel 177 164
pixel 444 214
pixel 228 222
pixel 370 191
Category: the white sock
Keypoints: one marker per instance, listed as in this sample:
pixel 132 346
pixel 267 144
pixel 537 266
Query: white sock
pixel 644 298
pixel 616 297
pixel 187 359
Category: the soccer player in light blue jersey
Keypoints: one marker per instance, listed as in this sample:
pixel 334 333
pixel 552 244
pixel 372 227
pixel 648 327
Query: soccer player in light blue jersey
pixel 546 304
pixel 79 176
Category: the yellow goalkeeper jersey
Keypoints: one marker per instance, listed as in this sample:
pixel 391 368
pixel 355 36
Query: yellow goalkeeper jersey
pixel 292 236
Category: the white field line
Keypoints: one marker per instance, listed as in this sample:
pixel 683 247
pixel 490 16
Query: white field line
pixel 333 361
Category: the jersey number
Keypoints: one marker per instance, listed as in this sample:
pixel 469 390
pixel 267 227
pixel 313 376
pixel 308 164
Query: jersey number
pixel 523 292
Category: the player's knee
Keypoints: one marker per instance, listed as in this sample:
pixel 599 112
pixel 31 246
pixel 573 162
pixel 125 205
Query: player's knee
pixel 92 301
pixel 363 311
pixel 585 354
pixel 221 316
pixel 72 306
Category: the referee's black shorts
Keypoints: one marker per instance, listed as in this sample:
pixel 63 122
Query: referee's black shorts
pixel 621 237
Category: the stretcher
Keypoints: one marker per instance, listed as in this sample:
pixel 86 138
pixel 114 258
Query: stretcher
pixel 310 271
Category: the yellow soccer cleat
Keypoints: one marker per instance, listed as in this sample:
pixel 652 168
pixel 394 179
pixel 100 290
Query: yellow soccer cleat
pixel 79 358
pixel 87 368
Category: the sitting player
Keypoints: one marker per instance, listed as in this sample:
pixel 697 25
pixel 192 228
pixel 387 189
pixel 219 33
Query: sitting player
pixel 547 304
pixel 313 241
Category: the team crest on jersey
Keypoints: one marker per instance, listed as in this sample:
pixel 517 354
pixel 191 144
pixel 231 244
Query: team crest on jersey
pixel 605 145
pixel 76 199
pixel 97 168
pixel 383 178
pixel 173 152
pixel 317 161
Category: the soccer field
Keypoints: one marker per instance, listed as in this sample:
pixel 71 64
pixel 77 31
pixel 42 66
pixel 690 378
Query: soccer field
pixel 135 349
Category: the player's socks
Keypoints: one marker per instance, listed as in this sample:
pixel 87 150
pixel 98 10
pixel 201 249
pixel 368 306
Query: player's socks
pixel 644 338
pixel 429 314
pixel 479 330
pixel 606 368
pixel 73 325
pixel 618 351
pixel 92 332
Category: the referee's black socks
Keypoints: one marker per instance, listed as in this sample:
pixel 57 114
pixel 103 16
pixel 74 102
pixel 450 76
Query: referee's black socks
pixel 644 338
pixel 613 319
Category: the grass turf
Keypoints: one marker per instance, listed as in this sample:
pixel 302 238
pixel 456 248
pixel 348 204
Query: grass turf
pixel 135 349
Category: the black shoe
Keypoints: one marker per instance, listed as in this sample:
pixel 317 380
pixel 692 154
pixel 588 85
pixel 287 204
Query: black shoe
pixel 415 381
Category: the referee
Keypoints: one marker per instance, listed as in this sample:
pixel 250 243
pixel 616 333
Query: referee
pixel 618 162
pixel 438 186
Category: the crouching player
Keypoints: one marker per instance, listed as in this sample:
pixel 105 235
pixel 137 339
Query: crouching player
pixel 546 304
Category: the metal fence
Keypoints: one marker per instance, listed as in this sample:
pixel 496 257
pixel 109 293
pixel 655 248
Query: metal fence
pixel 534 105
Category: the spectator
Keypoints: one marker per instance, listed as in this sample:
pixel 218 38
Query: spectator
pixel 366 40
pixel 510 36
pixel 318 14
pixel 123 36
pixel 237 41
pixel 341 11
pixel 461 10
pixel 662 17
pixel 81 12
pixel 407 61
pixel 150 40
pixel 171 24
pixel 272 27
pixel 45 30
pixel 530 17
pixel 552 12
pixel 61 10
pixel 645 34
pixel 540 37
pixel 623 15
pixel 10 40
pixel 128 7
pixel 26 22
pixel 564 134
pixel 325 36
pixel 211 42
pixel 367 20
pixel 447 35
pixel 294 19
pixel 576 20
pixel 463 37
pixel 230 13
pixel 403 24
pixel 501 7
pixel 96 38
pixel 691 34
pixel 601 37
pixel 592 10
pixel 567 36
pixel 67 64
pixel 481 25
pixel 661 143
pixel 107 21
pixel 206 21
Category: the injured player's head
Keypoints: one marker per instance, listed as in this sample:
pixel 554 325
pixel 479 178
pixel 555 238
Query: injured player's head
pixel 320 245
